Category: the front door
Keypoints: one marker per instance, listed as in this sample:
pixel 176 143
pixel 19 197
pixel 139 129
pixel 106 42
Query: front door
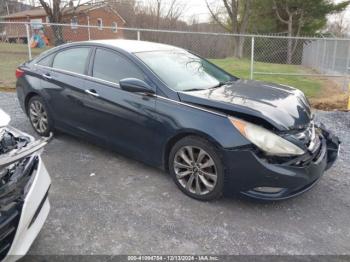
pixel 122 119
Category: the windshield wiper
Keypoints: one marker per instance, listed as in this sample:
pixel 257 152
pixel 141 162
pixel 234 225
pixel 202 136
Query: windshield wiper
pixel 193 89
pixel 221 84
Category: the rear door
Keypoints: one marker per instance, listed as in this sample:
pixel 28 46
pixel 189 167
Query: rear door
pixel 64 84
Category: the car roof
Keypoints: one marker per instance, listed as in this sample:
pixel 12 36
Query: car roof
pixel 135 46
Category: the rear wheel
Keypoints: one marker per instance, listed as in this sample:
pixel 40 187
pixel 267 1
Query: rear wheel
pixel 39 116
pixel 197 168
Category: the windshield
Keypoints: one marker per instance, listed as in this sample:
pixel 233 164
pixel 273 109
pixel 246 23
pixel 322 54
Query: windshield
pixel 183 71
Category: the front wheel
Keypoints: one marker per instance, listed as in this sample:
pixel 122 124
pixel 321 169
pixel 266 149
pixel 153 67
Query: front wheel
pixel 196 168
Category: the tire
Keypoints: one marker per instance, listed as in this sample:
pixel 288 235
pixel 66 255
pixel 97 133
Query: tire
pixel 42 123
pixel 201 168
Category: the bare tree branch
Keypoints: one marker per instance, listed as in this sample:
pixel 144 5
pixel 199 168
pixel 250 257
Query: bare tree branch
pixel 175 11
pixel 246 15
pixel 228 8
pixel 46 7
pixel 278 14
pixel 217 19
pixel 301 23
pixel 239 19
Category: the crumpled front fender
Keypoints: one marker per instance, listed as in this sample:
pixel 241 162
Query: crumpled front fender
pixel 333 146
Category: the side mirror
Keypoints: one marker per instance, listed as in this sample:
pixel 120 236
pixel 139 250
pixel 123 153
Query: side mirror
pixel 135 85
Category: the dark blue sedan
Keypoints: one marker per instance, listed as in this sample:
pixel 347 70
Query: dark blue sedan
pixel 163 105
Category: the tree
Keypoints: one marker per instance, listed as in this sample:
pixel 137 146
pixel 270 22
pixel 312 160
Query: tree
pixel 339 26
pixel 170 12
pixel 10 6
pixel 55 10
pixel 306 16
pixel 234 19
pixel 127 8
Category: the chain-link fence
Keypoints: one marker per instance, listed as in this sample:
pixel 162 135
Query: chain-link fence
pixel 307 63
pixel 327 56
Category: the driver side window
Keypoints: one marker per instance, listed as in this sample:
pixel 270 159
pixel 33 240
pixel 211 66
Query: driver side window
pixel 113 67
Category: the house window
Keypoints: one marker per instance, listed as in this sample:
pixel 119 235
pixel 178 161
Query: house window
pixel 99 23
pixel 74 23
pixel 114 27
pixel 36 23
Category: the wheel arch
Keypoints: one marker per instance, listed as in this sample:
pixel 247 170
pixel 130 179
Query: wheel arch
pixel 27 98
pixel 180 135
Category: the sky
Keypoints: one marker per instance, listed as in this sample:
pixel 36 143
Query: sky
pixel 346 13
pixel 195 8
pixel 198 9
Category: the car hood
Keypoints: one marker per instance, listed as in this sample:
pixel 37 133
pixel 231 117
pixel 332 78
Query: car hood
pixel 284 107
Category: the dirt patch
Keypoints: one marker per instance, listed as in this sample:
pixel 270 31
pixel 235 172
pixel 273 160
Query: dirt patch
pixel 330 103
pixel 331 86
pixel 331 96
pixel 7 89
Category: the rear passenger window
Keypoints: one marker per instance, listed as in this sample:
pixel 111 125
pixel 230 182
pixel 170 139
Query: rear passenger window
pixel 46 61
pixel 113 67
pixel 72 60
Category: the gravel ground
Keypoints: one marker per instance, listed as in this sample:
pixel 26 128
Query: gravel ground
pixel 127 207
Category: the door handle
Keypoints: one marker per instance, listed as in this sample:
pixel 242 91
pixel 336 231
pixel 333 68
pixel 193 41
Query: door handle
pixel 92 92
pixel 47 76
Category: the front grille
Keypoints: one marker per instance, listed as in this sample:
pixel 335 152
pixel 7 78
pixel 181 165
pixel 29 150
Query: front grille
pixel 8 224
pixel 310 139
pixel 13 182
pixel 18 162
pixel 307 136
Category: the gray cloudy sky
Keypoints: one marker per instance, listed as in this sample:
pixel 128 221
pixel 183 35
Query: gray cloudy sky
pixel 198 8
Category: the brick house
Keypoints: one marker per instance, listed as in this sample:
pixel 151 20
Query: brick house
pixel 93 15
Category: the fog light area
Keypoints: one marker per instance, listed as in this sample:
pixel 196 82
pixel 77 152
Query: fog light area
pixel 271 190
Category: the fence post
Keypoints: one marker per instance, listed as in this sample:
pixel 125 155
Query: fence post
pixel 347 66
pixel 347 73
pixel 335 53
pixel 28 42
pixel 324 56
pixel 252 59
pixel 317 57
pixel 88 24
pixel 138 35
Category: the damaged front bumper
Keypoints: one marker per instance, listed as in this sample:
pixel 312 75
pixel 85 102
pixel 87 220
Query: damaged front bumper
pixel 24 185
pixel 258 177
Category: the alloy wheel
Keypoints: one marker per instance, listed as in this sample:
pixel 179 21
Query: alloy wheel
pixel 38 116
pixel 195 170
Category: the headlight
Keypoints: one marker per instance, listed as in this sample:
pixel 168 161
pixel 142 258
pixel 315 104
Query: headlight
pixel 267 141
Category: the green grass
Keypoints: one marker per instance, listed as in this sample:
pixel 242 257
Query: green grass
pixel 11 55
pixel 241 68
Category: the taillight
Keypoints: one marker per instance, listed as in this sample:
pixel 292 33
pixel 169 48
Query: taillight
pixel 19 73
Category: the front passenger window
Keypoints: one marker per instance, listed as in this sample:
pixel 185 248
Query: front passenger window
pixel 72 60
pixel 113 67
